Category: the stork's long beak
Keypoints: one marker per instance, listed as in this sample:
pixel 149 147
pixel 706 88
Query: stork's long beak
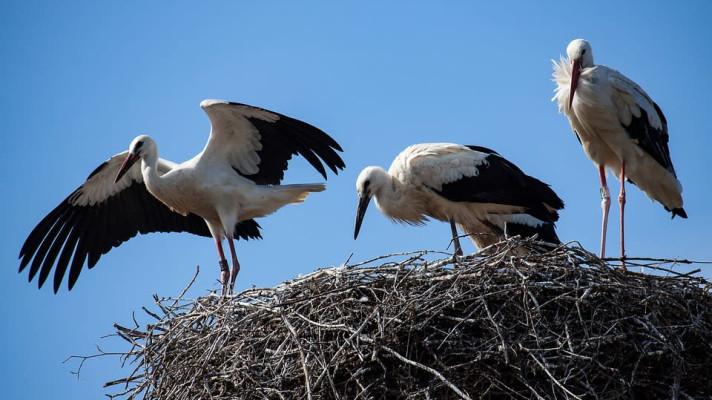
pixel 128 162
pixel 363 202
pixel 575 73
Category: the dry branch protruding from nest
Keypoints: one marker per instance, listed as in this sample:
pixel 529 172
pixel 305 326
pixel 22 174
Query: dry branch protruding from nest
pixel 556 322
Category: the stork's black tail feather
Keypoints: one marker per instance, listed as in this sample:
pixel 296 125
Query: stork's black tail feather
pixel 545 231
pixel 680 212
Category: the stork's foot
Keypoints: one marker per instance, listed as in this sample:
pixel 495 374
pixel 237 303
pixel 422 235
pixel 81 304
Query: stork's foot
pixel 458 251
pixel 224 276
pixel 457 256
pixel 233 276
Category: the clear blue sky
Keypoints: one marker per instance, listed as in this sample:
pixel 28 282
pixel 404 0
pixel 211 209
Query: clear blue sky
pixel 81 79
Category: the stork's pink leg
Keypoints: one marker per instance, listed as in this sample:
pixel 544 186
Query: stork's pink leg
pixel 235 264
pixel 621 203
pixel 224 269
pixel 605 206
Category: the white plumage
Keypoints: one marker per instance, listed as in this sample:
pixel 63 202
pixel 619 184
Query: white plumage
pixel 436 164
pixel 620 128
pixel 216 193
pixel 471 186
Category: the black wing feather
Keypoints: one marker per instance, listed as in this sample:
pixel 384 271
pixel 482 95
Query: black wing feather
pixel 482 149
pixel 71 234
pixel 38 233
pixel 57 244
pixel 545 232
pixel 80 256
pixel 285 138
pixel 652 140
pixel 501 182
pixel 43 248
pixel 69 248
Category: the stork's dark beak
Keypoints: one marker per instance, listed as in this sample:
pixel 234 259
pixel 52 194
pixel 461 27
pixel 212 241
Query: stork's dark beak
pixel 575 73
pixel 363 202
pixel 128 162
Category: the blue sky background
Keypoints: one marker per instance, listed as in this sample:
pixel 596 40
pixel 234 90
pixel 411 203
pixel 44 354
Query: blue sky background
pixel 79 80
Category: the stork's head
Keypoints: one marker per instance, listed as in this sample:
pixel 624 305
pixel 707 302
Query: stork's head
pixel 369 183
pixel 142 147
pixel 580 49
pixel 580 56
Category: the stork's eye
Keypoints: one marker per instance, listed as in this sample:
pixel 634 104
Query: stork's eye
pixel 583 52
pixel 365 184
pixel 138 144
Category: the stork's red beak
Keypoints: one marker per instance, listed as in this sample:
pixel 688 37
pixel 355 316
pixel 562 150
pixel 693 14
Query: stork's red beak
pixel 128 162
pixel 575 73
pixel 363 202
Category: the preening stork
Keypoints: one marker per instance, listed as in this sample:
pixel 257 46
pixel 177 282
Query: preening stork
pixel 472 187
pixel 216 193
pixel 620 128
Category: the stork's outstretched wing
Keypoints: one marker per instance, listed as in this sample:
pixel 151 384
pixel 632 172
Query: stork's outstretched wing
pixel 100 215
pixel 258 143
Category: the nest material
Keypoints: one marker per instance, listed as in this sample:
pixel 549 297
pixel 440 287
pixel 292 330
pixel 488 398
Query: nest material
pixel 554 323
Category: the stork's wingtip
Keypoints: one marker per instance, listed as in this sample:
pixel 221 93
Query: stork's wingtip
pixel 23 261
pixel 679 212
pixel 335 169
pixel 209 102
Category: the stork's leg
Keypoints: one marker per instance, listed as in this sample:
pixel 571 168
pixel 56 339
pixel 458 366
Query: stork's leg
pixel 605 206
pixel 455 238
pixel 235 264
pixel 224 269
pixel 621 203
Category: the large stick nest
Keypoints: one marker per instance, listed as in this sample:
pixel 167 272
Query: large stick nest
pixel 553 323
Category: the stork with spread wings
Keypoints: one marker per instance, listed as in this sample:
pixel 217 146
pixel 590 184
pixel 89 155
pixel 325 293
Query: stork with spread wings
pixel 217 193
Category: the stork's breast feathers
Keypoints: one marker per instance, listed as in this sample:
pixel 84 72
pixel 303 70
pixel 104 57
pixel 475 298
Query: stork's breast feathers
pixel 562 77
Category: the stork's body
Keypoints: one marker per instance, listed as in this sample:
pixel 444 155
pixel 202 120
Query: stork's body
pixel 469 186
pixel 217 193
pixel 620 129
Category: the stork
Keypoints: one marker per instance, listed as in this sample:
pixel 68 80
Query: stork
pixel 217 193
pixel 472 187
pixel 620 128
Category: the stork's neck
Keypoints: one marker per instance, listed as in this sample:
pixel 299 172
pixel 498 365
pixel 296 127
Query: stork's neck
pixel 391 196
pixel 149 171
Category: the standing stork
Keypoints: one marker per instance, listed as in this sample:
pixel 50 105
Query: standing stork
pixel 216 193
pixel 620 128
pixel 473 187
